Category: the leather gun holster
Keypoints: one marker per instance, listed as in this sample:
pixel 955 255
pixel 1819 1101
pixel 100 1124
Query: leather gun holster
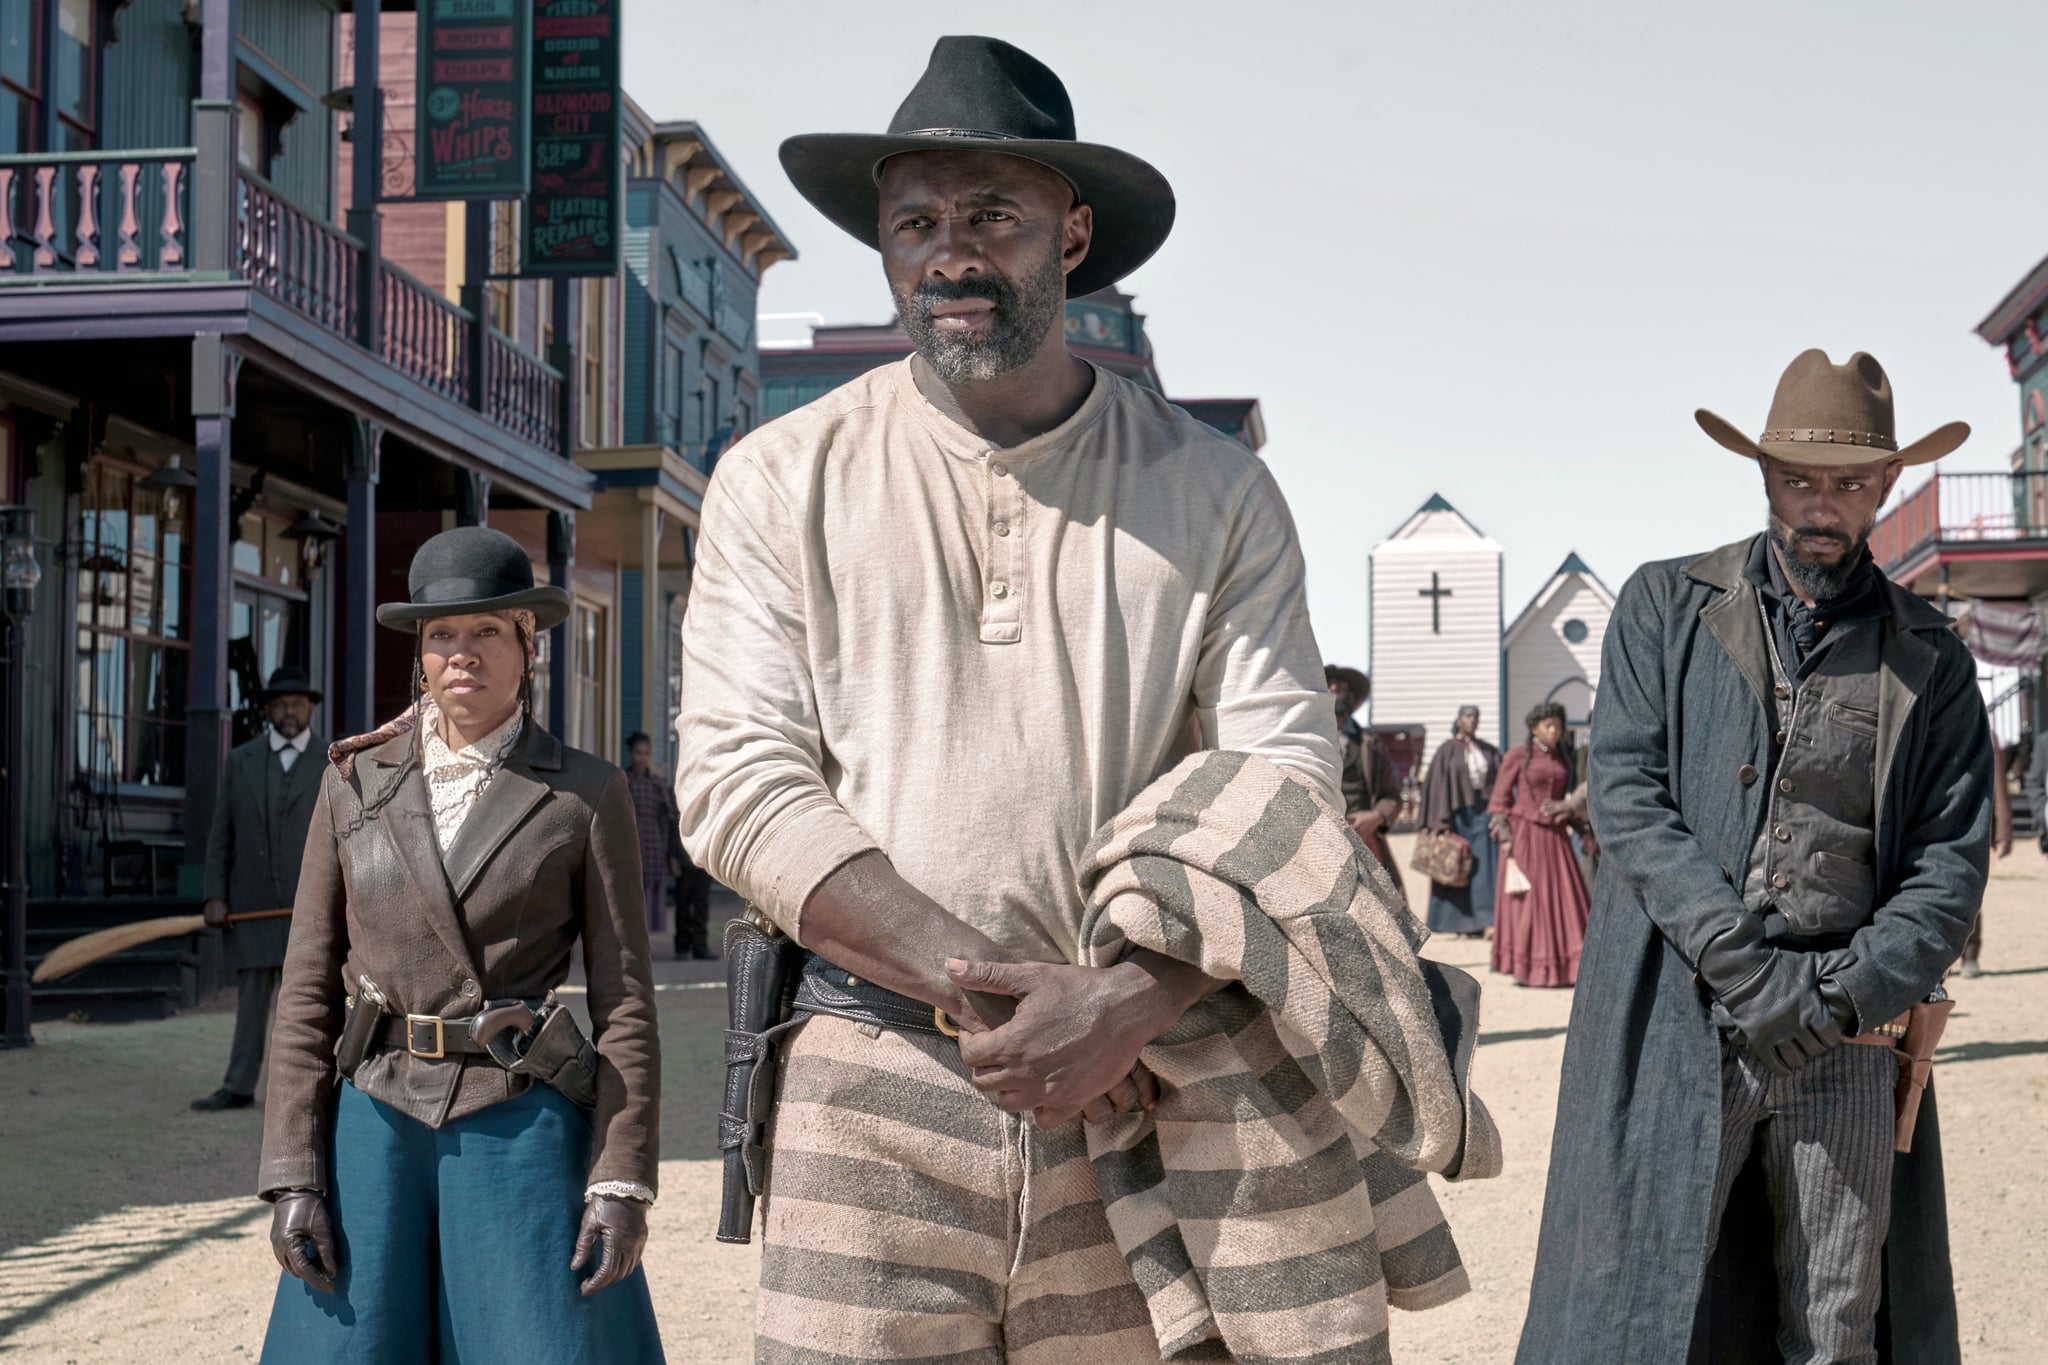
pixel 362 1013
pixel 545 1043
pixel 761 970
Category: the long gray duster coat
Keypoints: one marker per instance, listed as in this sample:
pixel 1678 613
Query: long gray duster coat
pixel 1680 751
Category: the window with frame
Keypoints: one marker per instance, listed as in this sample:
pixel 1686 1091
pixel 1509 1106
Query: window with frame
pixel 21 76
pixel 587 678
pixel 48 52
pixel 269 622
pixel 501 297
pixel 133 647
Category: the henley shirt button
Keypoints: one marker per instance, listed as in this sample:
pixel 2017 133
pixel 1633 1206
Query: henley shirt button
pixel 999 590
pixel 1785 785
pixel 1783 691
pixel 469 989
pixel 1783 833
pixel 1002 528
pixel 1746 774
pixel 1781 881
pixel 999 470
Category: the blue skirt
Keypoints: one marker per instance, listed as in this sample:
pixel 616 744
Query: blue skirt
pixel 1467 909
pixel 455 1244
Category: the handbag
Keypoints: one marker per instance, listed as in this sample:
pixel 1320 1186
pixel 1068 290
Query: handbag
pixel 1443 857
pixel 1516 882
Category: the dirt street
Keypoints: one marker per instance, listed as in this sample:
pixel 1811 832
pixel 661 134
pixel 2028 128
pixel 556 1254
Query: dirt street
pixel 127 1233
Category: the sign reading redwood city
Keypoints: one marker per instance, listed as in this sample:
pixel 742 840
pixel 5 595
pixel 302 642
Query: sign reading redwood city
pixel 472 140
pixel 572 215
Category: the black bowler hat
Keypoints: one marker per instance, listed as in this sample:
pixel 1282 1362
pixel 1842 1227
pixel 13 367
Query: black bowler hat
pixel 288 682
pixel 981 94
pixel 468 571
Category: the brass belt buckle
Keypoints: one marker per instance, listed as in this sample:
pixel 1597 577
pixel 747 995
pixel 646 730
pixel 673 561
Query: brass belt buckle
pixel 412 1022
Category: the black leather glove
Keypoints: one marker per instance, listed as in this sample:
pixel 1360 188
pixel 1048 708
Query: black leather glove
pixel 1772 998
pixel 615 1229
pixel 303 1239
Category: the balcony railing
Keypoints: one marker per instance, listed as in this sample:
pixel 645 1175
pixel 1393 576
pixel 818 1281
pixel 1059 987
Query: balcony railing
pixel 95 213
pixel 294 257
pixel 1962 507
pixel 98 216
pixel 525 394
pixel 425 336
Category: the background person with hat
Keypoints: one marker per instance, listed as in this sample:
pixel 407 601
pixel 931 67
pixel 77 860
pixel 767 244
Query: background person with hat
pixel 267 794
pixel 456 1172
pixel 1791 783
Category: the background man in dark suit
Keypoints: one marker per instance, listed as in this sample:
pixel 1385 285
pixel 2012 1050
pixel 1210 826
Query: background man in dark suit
pixel 252 863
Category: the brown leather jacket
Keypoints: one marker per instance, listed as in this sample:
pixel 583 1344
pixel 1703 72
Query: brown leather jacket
pixel 496 919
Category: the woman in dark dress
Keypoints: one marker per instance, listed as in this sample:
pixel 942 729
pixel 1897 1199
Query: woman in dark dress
pixel 1538 934
pixel 1454 798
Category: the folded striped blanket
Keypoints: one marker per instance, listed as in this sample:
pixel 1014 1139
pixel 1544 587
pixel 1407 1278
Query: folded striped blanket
pixel 1273 1205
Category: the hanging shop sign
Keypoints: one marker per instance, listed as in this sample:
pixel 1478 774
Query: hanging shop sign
pixel 572 214
pixel 472 140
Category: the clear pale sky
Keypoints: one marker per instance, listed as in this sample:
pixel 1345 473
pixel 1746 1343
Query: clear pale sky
pixel 1498 252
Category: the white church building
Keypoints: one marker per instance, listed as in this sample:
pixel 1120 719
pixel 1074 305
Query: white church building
pixel 1436 626
pixel 1439 641
pixel 1553 647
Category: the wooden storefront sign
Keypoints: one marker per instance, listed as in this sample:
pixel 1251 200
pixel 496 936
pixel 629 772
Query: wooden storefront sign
pixel 472 140
pixel 572 216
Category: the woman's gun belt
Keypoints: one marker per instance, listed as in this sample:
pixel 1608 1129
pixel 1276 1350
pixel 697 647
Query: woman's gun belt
pixel 536 1038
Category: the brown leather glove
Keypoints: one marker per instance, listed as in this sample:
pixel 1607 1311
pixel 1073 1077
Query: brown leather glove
pixel 620 1227
pixel 303 1238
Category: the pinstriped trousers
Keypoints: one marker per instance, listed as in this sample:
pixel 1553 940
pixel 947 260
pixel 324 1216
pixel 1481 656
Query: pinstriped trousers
pixel 1826 1143
pixel 908 1219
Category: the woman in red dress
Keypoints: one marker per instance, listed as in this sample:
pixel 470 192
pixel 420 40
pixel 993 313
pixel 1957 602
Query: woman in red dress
pixel 1537 934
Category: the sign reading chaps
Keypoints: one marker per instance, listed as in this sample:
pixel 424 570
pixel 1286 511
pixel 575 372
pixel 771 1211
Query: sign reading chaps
pixel 472 73
pixel 572 216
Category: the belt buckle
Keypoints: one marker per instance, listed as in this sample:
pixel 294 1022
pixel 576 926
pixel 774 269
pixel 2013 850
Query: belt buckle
pixel 413 1022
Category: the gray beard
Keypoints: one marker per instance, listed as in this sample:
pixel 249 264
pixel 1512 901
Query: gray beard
pixel 1025 311
pixel 1821 582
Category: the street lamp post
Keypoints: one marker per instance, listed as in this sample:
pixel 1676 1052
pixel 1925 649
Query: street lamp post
pixel 19 574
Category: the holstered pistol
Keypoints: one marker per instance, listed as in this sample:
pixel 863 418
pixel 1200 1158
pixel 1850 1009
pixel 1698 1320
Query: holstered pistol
pixel 761 969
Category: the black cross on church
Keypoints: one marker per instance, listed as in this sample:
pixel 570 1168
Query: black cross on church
pixel 1436 595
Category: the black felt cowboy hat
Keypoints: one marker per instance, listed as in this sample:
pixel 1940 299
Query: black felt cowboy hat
pixel 470 570
pixel 1828 414
pixel 981 94
pixel 288 682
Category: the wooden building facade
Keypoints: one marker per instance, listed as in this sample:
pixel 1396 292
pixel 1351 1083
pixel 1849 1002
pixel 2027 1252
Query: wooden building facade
pixel 239 384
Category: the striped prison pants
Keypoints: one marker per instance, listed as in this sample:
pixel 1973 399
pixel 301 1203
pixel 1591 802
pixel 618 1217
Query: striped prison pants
pixel 1826 1144
pixel 909 1219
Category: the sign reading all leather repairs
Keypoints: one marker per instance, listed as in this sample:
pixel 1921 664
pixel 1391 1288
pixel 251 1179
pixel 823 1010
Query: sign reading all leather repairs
pixel 572 216
pixel 472 139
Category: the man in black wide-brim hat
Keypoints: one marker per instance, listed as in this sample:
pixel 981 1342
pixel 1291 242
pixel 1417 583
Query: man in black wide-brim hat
pixel 948 621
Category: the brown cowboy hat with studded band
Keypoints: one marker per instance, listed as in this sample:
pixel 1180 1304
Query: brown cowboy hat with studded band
pixel 983 95
pixel 1828 414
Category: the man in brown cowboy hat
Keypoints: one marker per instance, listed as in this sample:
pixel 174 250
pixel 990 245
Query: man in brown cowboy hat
pixel 1791 781
pixel 948 622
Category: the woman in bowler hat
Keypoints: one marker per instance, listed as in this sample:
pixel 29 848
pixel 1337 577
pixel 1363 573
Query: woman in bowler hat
pixel 439 1192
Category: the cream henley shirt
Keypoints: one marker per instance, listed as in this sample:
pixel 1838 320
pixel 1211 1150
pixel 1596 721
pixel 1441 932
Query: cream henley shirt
pixel 901 637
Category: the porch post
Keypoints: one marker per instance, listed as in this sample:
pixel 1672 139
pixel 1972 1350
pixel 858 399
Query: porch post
pixel 206 706
pixel 366 173
pixel 476 268
pixel 562 355
pixel 561 566
pixel 358 655
pixel 473 493
pixel 653 656
pixel 213 215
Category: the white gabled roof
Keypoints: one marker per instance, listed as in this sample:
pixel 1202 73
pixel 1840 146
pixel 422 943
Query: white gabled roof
pixel 1433 523
pixel 1572 568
